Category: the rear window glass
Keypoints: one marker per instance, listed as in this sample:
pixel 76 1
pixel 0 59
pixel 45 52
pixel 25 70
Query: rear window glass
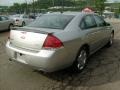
pixel 52 21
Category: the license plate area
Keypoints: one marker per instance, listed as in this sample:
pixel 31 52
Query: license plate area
pixel 15 55
pixel 19 55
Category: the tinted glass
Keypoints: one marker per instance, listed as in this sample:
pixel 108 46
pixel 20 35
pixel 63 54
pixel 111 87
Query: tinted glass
pixel 99 21
pixel 4 18
pixel 82 25
pixel 25 16
pixel 52 21
pixel 89 22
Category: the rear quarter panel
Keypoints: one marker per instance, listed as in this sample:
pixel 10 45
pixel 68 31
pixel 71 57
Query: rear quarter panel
pixel 72 39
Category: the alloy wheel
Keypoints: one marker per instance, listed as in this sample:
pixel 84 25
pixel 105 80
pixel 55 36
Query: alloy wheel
pixel 82 58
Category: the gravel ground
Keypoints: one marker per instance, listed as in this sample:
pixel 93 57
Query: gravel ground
pixel 102 72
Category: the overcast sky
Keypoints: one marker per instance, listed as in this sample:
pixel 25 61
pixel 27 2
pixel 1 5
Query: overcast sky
pixel 10 2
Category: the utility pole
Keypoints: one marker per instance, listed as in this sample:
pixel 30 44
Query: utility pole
pixel 34 7
pixel 62 6
pixel 26 7
pixel 53 3
pixel 94 1
pixel 39 3
pixel 74 4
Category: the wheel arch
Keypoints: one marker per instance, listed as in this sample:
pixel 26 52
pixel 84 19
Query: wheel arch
pixel 86 46
pixel 113 31
pixel 10 25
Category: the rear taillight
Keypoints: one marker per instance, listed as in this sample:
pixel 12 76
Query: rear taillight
pixel 52 42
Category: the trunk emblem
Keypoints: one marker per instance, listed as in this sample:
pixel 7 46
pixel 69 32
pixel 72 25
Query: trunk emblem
pixel 23 32
pixel 23 37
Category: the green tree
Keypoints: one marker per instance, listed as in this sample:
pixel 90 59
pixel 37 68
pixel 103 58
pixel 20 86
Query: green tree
pixel 24 8
pixel 99 5
pixel 15 8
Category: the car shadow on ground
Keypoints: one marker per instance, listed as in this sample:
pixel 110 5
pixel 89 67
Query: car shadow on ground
pixel 103 67
pixel 4 31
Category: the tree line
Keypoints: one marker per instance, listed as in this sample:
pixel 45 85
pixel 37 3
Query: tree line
pixel 36 6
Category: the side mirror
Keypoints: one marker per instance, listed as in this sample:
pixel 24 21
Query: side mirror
pixel 32 17
pixel 107 24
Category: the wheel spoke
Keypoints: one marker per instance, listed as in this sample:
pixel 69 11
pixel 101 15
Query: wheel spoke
pixel 82 60
pixel 111 39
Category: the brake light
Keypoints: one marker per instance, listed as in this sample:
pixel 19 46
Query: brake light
pixel 52 42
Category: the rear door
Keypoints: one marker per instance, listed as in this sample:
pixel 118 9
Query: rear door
pixel 92 32
pixel 5 22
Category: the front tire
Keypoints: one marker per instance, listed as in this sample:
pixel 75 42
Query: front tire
pixel 109 44
pixel 81 60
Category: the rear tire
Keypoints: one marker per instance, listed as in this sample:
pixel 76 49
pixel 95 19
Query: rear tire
pixel 81 60
pixel 10 26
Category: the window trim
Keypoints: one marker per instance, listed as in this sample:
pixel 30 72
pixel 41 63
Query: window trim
pixel 4 18
pixel 84 22
pixel 100 18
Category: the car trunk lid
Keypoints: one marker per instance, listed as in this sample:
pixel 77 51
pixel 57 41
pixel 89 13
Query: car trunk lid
pixel 28 38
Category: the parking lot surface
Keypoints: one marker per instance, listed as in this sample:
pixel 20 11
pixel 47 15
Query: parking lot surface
pixel 102 72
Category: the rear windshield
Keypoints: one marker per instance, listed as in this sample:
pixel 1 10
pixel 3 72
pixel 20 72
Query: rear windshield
pixel 52 21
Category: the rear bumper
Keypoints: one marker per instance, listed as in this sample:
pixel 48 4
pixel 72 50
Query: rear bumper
pixel 45 60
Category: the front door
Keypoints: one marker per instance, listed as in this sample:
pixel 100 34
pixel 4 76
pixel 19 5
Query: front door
pixel 92 32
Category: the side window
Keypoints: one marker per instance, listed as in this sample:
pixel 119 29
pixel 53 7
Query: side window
pixel 82 25
pixel 4 18
pixel 7 18
pixel 99 21
pixel 88 22
pixel 25 16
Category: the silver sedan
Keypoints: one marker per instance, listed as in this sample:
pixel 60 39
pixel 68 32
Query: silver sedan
pixel 6 23
pixel 57 41
pixel 22 19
